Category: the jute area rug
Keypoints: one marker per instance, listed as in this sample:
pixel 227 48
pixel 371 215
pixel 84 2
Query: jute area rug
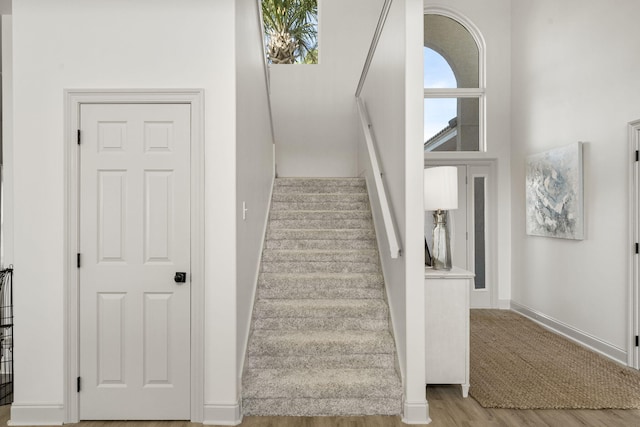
pixel 517 364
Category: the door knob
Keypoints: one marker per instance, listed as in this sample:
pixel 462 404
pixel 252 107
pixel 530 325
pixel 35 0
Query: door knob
pixel 180 277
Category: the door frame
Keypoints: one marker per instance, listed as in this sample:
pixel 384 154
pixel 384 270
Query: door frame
pixel 73 99
pixel 633 353
pixel 491 206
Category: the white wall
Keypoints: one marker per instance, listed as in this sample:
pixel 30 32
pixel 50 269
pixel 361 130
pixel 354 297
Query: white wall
pixel 5 7
pixel 393 96
pixel 384 97
pixel 313 105
pixel 492 18
pixel 254 161
pixel 115 44
pixel 7 142
pixel 575 78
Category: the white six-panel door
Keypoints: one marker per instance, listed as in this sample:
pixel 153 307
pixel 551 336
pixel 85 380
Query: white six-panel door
pixel 134 236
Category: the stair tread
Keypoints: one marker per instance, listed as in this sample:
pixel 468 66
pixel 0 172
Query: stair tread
pixel 323 224
pixel 335 260
pixel 325 266
pixel 325 198
pixel 303 244
pixel 315 407
pixel 320 213
pixel 318 254
pixel 301 308
pixel 321 234
pixel 278 206
pixel 323 323
pixel 297 342
pixel 320 178
pixel 329 361
pixel 334 280
pixel 323 251
pixel 286 291
pixel 320 276
pixel 321 383
pixel 301 180
pixel 320 189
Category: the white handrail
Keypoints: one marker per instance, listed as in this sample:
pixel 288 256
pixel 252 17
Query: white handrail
pixel 392 235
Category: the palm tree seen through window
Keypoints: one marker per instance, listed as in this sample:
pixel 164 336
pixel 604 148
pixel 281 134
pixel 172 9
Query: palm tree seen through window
pixel 291 31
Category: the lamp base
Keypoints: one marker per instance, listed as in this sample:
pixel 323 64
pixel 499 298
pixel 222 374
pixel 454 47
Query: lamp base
pixel 441 256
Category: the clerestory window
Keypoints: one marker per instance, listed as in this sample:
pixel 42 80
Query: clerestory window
pixel 453 87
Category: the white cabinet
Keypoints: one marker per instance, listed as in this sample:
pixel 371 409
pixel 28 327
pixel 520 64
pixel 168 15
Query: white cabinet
pixel 447 326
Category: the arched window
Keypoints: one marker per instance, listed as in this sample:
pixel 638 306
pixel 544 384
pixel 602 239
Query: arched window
pixel 438 75
pixel 454 85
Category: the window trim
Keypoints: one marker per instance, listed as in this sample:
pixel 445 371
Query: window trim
pixel 453 93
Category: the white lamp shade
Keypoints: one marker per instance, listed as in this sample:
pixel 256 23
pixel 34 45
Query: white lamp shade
pixel 441 188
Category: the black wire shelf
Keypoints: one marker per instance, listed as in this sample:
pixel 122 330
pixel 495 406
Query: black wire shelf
pixel 6 336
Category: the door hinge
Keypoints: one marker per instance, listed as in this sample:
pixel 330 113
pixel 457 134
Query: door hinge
pixel 637 155
pixel 637 341
pixel 78 136
pixel 637 248
pixel 78 384
pixel 78 260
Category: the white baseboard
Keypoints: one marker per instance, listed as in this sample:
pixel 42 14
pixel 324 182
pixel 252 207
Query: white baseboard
pixel 416 413
pixel 504 304
pixel 36 415
pixel 617 354
pixel 223 414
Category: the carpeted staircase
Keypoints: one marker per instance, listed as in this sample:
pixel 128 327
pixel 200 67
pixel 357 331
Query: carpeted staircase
pixel 320 342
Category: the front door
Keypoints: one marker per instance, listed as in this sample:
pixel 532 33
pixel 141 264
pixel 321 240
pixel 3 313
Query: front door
pixel 134 238
pixel 469 226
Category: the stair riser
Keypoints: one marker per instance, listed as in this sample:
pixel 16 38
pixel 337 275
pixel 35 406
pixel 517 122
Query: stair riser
pixel 322 198
pixel 315 224
pixel 319 206
pixel 321 244
pixel 319 215
pixel 297 292
pixel 322 407
pixel 354 361
pixel 319 189
pixel 305 182
pixel 370 257
pixel 346 235
pixel 311 324
pixel 323 384
pixel 318 267
pixel 324 281
pixel 273 309
pixel 278 347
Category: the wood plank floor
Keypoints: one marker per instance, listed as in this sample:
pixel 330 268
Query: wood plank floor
pixel 447 409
